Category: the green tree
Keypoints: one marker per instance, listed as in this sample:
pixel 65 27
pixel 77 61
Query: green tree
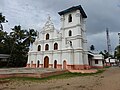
pixel 16 44
pixel 30 36
pixel 2 20
pixel 105 54
pixel 3 36
pixel 18 52
pixel 20 45
pixel 17 33
pixel 117 52
pixel 92 47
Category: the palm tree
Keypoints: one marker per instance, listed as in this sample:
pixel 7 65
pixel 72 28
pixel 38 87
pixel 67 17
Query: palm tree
pixel 30 36
pixel 2 20
pixel 17 49
pixel 3 36
pixel 17 33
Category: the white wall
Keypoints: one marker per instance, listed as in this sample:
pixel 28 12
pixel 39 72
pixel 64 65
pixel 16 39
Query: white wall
pixel 99 63
pixel 98 56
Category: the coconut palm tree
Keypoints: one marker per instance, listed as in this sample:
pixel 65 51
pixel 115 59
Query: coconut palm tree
pixel 3 36
pixel 30 36
pixel 17 33
pixel 17 47
pixel 2 20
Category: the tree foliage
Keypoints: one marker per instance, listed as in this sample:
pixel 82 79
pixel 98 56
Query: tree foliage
pixel 30 36
pixel 117 52
pixel 92 47
pixel 2 20
pixel 3 36
pixel 16 44
pixel 106 54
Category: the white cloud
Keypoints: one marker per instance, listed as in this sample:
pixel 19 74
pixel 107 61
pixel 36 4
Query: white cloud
pixel 33 14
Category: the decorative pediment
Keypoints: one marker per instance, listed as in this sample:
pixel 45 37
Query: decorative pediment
pixel 48 25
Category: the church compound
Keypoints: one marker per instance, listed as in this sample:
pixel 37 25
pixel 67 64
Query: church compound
pixel 63 49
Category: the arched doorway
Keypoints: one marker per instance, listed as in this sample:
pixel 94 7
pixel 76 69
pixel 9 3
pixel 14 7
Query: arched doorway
pixel 31 63
pixel 64 64
pixel 46 62
pixel 38 63
pixel 55 64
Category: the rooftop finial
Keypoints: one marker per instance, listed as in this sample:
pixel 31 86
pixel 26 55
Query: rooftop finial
pixel 49 18
pixel 49 22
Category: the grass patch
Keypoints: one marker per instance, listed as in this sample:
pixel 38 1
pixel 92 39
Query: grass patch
pixel 107 66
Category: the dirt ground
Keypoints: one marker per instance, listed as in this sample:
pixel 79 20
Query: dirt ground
pixel 109 80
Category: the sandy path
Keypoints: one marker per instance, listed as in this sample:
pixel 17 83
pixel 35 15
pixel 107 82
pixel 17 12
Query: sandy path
pixel 109 80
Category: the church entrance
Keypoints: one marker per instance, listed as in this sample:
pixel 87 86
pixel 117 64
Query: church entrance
pixel 64 64
pixel 46 62
pixel 55 64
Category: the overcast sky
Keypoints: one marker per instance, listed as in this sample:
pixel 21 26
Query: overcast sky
pixel 101 14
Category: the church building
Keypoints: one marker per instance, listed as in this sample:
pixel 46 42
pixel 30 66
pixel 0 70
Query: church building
pixel 62 49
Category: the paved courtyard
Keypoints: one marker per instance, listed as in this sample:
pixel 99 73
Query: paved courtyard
pixel 29 72
pixel 26 70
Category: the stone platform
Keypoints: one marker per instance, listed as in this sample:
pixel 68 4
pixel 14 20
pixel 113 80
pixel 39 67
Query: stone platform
pixel 37 72
pixel 29 72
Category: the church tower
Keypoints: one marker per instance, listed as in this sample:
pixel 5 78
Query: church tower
pixel 74 35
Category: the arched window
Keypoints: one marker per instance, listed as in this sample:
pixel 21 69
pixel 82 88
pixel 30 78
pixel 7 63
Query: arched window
pixel 39 48
pixel 70 33
pixel 70 18
pixel 55 46
pixel 70 43
pixel 47 36
pixel 46 47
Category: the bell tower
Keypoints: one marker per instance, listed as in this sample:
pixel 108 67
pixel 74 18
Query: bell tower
pixel 73 26
pixel 74 32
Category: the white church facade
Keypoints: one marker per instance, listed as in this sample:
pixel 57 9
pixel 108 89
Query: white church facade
pixel 63 49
